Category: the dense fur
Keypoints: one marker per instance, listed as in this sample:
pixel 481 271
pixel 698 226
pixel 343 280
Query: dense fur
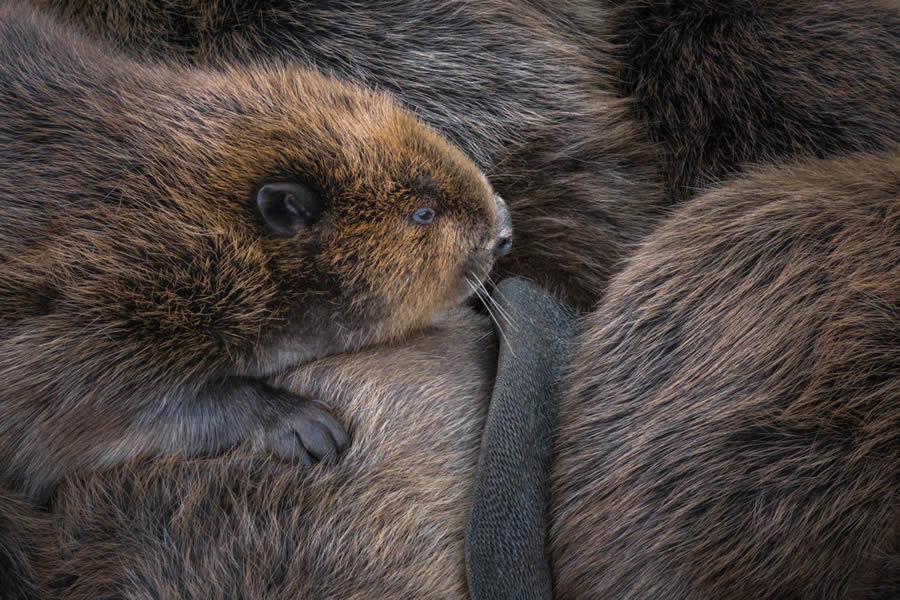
pixel 386 522
pixel 715 84
pixel 576 170
pixel 722 84
pixel 144 298
pixel 505 81
pixel 24 533
pixel 733 425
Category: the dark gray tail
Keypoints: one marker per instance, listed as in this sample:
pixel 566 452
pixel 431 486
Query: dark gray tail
pixel 506 553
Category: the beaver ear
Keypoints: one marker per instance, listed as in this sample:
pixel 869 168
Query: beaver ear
pixel 286 207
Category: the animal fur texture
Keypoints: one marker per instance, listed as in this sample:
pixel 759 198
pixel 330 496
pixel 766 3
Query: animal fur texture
pixel 387 521
pixel 723 85
pixel 556 102
pixel 25 533
pixel 146 295
pixel 732 427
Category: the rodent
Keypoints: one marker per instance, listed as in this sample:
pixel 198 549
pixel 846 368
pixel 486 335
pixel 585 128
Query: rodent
pixel 722 85
pixel 175 235
pixel 504 81
pixel 588 117
pixel 385 522
pixel 732 423
pixel 405 70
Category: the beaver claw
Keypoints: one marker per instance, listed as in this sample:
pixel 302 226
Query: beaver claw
pixel 309 433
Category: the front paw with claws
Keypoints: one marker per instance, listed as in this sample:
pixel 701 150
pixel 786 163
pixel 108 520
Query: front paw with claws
pixel 309 434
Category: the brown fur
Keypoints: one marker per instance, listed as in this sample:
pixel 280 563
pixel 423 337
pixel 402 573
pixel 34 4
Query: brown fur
pixel 24 533
pixel 386 522
pixel 722 84
pixel 715 84
pixel 143 298
pixel 529 120
pixel 733 425
pixel 507 82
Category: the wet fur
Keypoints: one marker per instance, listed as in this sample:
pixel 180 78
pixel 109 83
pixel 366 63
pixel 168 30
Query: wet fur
pixel 143 299
pixel 534 114
pixel 363 528
pixel 733 424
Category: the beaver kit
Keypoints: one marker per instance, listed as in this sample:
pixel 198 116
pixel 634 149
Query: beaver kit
pixel 174 236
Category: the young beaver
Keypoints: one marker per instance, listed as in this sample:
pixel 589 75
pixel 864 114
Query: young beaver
pixel 733 425
pixel 386 522
pixel 502 79
pixel 173 236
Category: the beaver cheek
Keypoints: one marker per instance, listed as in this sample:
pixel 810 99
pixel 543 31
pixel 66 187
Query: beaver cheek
pixel 429 287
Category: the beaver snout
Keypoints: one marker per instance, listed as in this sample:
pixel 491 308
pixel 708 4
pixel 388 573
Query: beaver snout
pixel 503 245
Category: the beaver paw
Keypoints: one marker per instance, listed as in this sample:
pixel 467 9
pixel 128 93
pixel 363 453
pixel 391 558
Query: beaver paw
pixel 309 433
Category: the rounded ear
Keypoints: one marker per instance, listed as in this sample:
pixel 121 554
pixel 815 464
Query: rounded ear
pixel 287 207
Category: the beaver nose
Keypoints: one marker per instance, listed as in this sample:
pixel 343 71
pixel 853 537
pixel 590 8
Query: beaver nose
pixel 503 246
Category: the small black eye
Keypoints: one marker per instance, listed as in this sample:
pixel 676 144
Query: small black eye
pixel 423 216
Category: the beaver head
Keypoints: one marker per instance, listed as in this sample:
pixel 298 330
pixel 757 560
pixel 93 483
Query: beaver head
pixel 268 214
pixel 174 235
pixel 371 222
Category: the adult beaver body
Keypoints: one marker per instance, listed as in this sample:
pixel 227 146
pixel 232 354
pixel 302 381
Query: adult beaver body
pixel 173 236
pixel 723 84
pixel 733 424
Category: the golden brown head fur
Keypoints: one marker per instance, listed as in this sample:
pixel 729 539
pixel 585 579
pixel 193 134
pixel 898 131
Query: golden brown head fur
pixel 386 522
pixel 143 290
pixel 733 424
pixel 505 81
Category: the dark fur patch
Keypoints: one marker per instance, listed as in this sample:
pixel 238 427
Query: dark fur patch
pixel 724 84
pixel 24 532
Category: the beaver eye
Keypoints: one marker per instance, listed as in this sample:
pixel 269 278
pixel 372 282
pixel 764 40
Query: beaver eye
pixel 423 216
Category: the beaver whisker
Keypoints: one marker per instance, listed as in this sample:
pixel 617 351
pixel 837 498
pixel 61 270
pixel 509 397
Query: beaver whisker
pixel 486 300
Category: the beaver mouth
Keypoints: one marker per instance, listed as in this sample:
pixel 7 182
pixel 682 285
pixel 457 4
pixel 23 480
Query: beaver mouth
pixel 475 273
